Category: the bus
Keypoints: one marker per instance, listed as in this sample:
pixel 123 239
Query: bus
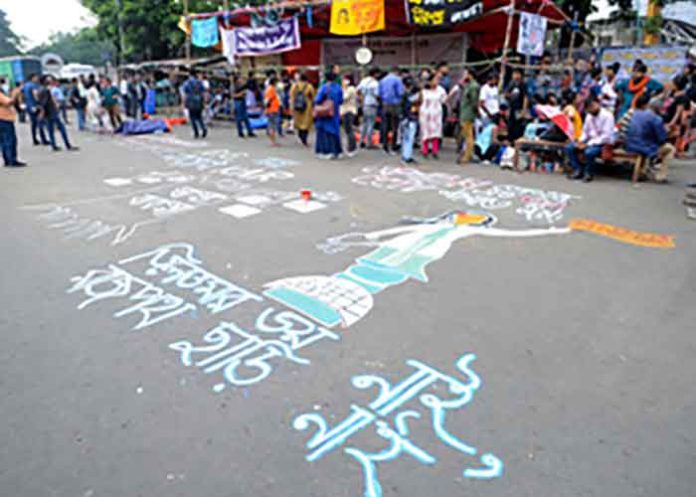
pixel 18 68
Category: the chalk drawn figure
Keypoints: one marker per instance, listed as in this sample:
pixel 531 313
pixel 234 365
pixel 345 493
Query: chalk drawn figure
pixel 389 416
pixel 400 254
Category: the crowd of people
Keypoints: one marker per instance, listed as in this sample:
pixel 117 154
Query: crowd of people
pixel 399 111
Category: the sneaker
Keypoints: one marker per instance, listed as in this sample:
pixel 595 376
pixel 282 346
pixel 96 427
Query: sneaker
pixel 352 154
pixel 73 149
pixel 587 178
pixel 577 175
pixel 57 149
pixel 18 164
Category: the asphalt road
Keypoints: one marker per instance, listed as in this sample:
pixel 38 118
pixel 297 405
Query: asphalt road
pixel 584 343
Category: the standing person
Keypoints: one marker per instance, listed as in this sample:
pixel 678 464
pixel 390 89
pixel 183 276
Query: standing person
pixel 391 89
pixel 409 120
pixel 95 111
pixel 328 118
pixel 368 90
pixel 30 91
pixel 647 136
pixel 443 72
pixel 272 107
pixel 59 98
pixel 8 134
pixel 640 83
pixel 110 102
pixel 139 94
pixel 349 111
pixel 597 131
pixel 302 96
pixel 516 96
pixel 240 87
pixel 125 90
pixel 489 99
pixel 50 114
pixel 468 107
pixel 607 95
pixel 78 99
pixel 194 101
pixel 430 117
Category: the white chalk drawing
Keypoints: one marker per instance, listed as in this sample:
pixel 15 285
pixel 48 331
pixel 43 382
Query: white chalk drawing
pixel 533 204
pixel 203 161
pixel 392 412
pixel 399 255
pixel 245 358
pixel 168 141
pixel 276 162
pixel 409 180
pixel 152 178
pixel 174 265
pixel 73 226
pixel 255 201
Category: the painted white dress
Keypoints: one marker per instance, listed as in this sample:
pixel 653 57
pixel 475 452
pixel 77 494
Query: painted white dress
pixel 430 113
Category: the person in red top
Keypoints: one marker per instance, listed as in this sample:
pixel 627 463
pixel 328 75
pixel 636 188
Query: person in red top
pixel 272 104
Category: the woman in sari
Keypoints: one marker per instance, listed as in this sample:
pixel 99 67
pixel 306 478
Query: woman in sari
pixel 328 118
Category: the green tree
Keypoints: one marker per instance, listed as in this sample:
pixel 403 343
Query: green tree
pixel 150 26
pixel 83 47
pixel 10 41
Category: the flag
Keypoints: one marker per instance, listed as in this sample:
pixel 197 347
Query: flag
pixel 205 32
pixel 355 17
pixel 228 46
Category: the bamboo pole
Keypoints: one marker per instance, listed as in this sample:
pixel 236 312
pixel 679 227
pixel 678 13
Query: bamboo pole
pixel 571 47
pixel 506 45
pixel 188 35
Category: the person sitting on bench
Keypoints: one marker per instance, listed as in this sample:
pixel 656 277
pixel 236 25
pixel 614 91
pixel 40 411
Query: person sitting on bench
pixel 647 136
pixel 597 131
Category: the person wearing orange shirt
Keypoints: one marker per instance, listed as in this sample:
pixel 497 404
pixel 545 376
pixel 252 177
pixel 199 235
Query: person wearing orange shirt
pixel 272 105
pixel 8 135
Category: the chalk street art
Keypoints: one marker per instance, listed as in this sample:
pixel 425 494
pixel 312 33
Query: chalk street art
pixel 152 178
pixel 203 161
pixel 533 204
pixel 275 162
pixel 244 358
pixel 410 180
pixel 390 416
pixel 175 265
pixel 400 254
pixel 252 202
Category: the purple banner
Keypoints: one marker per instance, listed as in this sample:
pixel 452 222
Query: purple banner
pixel 283 37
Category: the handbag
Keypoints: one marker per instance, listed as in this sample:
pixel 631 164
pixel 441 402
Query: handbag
pixel 324 109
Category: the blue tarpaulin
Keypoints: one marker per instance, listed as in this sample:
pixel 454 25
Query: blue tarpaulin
pixel 144 127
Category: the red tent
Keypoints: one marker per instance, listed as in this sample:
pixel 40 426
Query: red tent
pixel 487 32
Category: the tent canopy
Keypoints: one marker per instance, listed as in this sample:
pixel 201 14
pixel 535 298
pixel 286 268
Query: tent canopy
pixel 487 32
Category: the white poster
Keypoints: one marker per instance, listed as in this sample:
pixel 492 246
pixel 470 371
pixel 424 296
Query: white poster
pixel 532 34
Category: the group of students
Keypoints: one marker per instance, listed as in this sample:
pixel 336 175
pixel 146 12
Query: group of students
pixel 45 102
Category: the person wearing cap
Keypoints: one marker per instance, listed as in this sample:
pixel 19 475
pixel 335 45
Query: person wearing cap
pixel 8 134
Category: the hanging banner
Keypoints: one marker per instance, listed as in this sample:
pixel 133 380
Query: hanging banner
pixel 663 62
pixel 355 17
pixel 442 12
pixel 228 49
pixel 532 34
pixel 283 37
pixel 205 32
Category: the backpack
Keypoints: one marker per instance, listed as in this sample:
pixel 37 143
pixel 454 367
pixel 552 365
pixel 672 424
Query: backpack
pixel 194 101
pixel 299 103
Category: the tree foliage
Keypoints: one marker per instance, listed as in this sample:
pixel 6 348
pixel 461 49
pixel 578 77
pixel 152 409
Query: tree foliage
pixel 10 42
pixel 83 47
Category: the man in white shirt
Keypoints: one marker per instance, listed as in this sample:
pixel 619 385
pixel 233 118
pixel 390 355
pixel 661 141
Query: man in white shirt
pixel 368 90
pixel 489 99
pixel 597 131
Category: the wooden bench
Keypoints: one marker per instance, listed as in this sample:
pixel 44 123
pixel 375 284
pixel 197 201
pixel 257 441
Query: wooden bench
pixel 639 162
pixel 543 145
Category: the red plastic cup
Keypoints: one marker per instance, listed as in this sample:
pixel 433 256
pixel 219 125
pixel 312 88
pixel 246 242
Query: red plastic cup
pixel 306 194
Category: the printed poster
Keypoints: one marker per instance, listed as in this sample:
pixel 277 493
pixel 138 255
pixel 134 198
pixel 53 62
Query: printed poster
pixel 435 13
pixel 355 17
pixel 532 34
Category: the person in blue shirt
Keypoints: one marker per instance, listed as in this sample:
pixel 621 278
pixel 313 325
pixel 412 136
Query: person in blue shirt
pixel 391 91
pixel 194 101
pixel 647 136
pixel 328 143
pixel 30 91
